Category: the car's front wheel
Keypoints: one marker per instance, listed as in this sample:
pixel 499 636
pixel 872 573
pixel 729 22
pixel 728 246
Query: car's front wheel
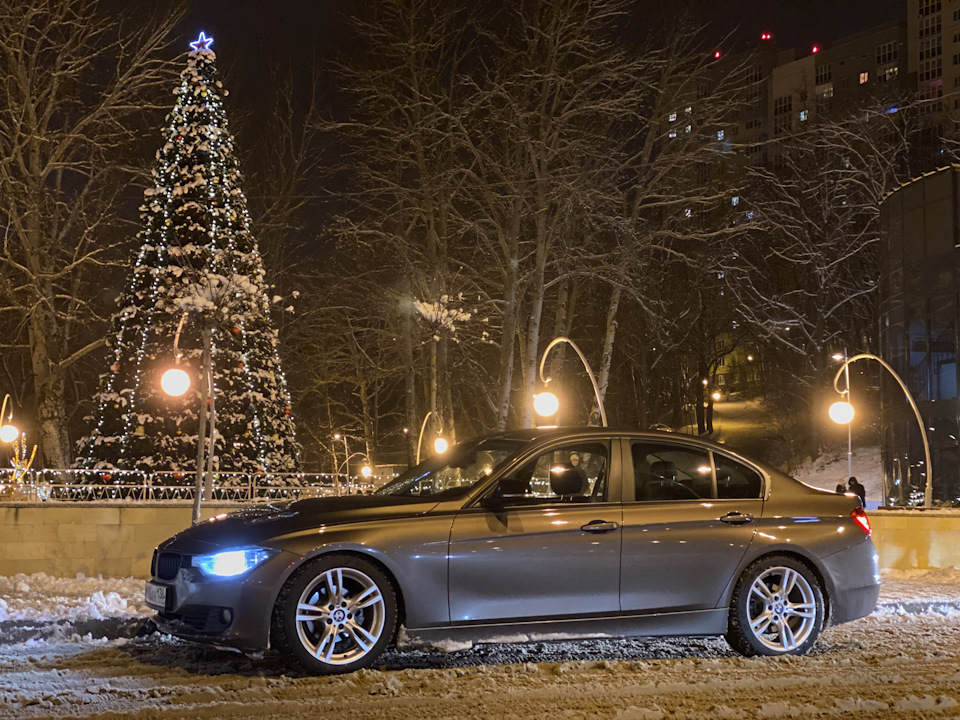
pixel 777 608
pixel 335 615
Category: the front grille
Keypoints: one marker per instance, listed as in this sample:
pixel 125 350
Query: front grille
pixel 167 565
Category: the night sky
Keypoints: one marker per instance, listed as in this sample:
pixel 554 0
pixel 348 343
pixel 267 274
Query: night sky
pixel 253 35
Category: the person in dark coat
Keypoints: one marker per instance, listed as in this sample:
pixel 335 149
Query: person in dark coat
pixel 856 487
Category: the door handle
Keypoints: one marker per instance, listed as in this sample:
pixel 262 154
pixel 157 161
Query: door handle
pixel 599 526
pixel 737 518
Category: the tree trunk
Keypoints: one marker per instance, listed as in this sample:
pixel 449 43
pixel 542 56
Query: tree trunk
pixel 410 378
pixel 505 374
pixel 606 359
pixel 533 336
pixel 45 345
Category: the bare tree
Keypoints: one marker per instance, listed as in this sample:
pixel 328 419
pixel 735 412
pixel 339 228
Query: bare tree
pixel 76 84
pixel 806 278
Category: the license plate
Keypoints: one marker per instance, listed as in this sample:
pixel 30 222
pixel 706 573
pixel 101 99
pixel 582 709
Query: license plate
pixel 156 595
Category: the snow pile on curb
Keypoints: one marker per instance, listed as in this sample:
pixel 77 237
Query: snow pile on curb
pixel 42 598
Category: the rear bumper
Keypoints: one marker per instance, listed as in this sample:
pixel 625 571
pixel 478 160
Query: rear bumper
pixel 853 578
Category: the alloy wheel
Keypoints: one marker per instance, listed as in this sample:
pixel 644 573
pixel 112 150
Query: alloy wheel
pixel 781 609
pixel 340 616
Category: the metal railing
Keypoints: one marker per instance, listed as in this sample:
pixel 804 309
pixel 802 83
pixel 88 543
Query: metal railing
pixel 138 485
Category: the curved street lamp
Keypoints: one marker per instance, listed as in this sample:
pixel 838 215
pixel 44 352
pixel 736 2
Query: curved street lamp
pixel 8 431
pixel 176 382
pixel 440 443
pixel 366 470
pixel 841 412
pixel 546 403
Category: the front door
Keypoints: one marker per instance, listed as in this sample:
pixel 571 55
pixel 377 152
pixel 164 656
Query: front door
pixel 547 547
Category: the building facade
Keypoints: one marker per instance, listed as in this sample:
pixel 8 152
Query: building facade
pixel 920 286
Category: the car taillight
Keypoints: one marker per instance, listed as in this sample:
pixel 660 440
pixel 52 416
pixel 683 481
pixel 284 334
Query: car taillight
pixel 859 516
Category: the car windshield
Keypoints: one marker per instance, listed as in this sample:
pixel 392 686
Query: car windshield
pixel 453 472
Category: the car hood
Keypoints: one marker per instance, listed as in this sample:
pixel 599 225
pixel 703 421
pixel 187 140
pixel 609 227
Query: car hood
pixel 255 525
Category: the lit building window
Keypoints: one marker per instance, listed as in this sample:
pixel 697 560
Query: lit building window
pixel 804 114
pixel 719 134
pixel 864 77
pixel 688 128
pixel 735 200
pixel 672 117
pixel 687 212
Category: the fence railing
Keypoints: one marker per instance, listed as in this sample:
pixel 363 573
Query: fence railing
pixel 83 485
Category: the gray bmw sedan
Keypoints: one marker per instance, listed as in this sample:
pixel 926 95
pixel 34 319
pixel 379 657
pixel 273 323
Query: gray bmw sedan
pixel 533 534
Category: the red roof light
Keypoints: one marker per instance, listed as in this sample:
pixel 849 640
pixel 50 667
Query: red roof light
pixel 716 54
pixel 815 49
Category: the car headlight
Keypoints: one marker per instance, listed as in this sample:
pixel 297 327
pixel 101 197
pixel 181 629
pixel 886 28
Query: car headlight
pixel 229 563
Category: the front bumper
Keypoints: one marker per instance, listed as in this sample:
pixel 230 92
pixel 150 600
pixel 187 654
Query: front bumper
pixel 232 612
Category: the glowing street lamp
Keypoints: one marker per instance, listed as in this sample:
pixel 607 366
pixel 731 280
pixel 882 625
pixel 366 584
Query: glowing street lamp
pixel 841 412
pixel 546 403
pixel 440 446
pixel 175 382
pixel 845 410
pixel 8 431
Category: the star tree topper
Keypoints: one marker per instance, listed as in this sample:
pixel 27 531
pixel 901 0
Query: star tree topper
pixel 202 43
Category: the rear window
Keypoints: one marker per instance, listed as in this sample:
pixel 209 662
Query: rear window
pixel 735 480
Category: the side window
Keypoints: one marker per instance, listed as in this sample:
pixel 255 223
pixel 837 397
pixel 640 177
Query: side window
pixel 735 480
pixel 574 473
pixel 671 472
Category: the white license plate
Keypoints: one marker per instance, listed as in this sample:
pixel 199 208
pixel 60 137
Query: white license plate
pixel 156 595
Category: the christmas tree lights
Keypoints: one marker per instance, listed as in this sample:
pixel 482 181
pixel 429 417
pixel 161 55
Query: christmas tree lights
pixel 197 256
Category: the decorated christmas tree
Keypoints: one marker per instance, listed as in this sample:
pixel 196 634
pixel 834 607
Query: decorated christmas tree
pixel 198 263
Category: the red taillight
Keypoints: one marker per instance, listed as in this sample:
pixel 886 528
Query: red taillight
pixel 859 516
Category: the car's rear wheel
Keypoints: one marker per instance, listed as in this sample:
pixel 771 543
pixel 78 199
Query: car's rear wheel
pixel 335 615
pixel 777 608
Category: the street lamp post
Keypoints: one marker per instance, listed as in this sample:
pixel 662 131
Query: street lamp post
pixel 846 377
pixel 176 382
pixel 366 471
pixel 546 401
pixel 842 412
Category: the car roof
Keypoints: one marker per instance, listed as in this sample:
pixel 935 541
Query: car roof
pixel 547 434
pixel 551 433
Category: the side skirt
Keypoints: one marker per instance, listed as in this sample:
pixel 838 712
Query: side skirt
pixel 690 623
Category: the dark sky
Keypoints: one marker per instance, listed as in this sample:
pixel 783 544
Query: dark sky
pixel 253 34
pixel 803 23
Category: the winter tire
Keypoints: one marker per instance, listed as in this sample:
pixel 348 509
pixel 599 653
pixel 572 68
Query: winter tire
pixel 335 615
pixel 777 609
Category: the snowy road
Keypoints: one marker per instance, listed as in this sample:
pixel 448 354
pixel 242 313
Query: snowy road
pixel 903 661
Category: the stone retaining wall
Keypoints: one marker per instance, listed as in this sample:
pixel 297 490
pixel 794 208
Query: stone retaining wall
pixel 117 539
pixel 109 539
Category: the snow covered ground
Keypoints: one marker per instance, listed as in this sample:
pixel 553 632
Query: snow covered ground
pixel 829 469
pixel 68 649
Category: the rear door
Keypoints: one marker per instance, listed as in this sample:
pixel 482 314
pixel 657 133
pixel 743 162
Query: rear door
pixel 688 517
pixel 550 547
